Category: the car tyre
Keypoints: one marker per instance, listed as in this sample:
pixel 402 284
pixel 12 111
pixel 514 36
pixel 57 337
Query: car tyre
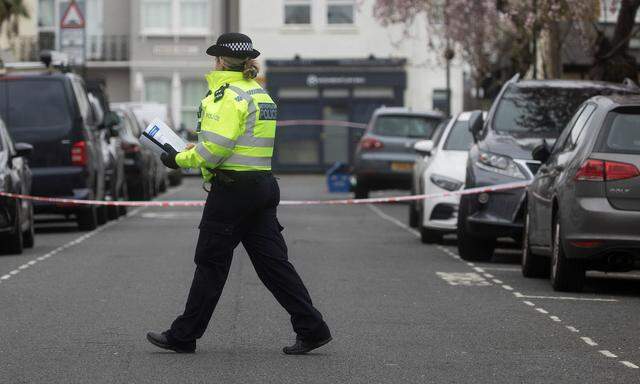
pixel 470 247
pixel 122 210
pixel 427 236
pixel 103 214
pixel 566 275
pixel 29 236
pixel 15 239
pixel 414 215
pixel 87 219
pixel 532 266
pixel 361 193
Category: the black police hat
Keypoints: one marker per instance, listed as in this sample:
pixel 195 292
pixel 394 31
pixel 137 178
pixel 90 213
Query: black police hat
pixel 233 45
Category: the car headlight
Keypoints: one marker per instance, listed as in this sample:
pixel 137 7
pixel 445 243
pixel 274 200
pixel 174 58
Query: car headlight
pixel 445 182
pixel 499 164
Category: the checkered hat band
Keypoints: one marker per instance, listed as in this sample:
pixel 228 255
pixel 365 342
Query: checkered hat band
pixel 239 47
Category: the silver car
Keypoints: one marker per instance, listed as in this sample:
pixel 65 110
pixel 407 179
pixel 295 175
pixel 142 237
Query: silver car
pixel 385 156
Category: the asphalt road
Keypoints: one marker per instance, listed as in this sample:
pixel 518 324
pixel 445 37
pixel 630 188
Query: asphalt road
pixel 76 308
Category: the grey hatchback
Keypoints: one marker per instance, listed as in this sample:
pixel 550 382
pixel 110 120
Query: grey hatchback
pixel 385 156
pixel 583 206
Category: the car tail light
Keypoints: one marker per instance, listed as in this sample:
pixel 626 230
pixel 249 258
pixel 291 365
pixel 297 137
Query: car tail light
pixel 586 244
pixel 370 143
pixel 591 170
pixel 599 170
pixel 130 148
pixel 620 171
pixel 79 153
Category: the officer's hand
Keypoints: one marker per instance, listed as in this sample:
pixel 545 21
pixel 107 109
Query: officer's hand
pixel 189 146
pixel 169 157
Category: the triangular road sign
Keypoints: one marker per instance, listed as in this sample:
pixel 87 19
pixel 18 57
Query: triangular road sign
pixel 73 17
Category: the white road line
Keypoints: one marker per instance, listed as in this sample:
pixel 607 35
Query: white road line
pixel 572 329
pixel 477 269
pixel 488 275
pixel 541 310
pixel 5 277
pixel 529 303
pixel 505 269
pixel 508 287
pixel 629 364
pixel 393 220
pixel 24 266
pixel 569 298
pixel 497 281
pixel 589 341
pixel 14 272
pixel 607 353
pixel 555 318
pixel 517 294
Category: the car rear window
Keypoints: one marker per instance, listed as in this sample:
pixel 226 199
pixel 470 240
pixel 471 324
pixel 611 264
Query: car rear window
pixel 35 103
pixel 540 112
pixel 623 135
pixel 460 138
pixel 406 126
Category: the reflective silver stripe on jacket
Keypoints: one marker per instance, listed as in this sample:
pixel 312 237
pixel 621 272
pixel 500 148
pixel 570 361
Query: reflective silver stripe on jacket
pixel 210 158
pixel 252 109
pixel 249 160
pixel 216 139
pixel 250 141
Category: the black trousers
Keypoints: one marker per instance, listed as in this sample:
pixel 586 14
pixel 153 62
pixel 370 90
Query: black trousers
pixel 243 209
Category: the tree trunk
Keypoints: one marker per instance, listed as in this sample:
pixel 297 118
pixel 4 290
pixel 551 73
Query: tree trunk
pixel 552 53
pixel 612 62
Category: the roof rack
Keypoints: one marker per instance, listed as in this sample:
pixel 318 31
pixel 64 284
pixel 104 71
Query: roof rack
pixel 627 82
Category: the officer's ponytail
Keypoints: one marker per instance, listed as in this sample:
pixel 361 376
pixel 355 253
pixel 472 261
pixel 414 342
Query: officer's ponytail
pixel 251 69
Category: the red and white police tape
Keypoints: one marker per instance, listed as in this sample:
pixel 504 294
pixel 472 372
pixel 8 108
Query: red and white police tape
pixel 200 203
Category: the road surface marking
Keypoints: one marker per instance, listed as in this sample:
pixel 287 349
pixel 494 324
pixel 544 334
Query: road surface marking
pixel 508 287
pixel 506 269
pixel 629 364
pixel 555 318
pixel 529 303
pixel 541 310
pixel 497 281
pixel 572 329
pixel 478 269
pixel 488 275
pixel 607 353
pixel 393 220
pixel 569 298
pixel 467 279
pixel 517 294
pixel 589 341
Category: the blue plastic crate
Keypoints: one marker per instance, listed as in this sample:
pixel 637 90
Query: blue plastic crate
pixel 339 178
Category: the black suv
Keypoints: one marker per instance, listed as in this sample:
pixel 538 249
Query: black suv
pixel 524 114
pixel 51 111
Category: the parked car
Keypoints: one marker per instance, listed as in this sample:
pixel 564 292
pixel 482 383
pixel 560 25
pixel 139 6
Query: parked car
pixel 51 111
pixel 16 216
pixel 139 163
pixel 113 155
pixel 583 206
pixel 440 168
pixel 523 115
pixel 384 156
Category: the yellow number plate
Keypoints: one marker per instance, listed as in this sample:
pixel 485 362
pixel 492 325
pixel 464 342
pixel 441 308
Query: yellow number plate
pixel 401 167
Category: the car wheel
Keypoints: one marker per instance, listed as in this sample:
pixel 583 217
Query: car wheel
pixel 532 265
pixel 470 247
pixel 87 219
pixel 361 193
pixel 566 275
pixel 103 214
pixel 163 185
pixel 414 215
pixel 29 236
pixel 427 236
pixel 122 210
pixel 175 178
pixel 14 239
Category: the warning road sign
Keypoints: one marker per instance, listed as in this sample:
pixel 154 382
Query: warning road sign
pixel 72 30
pixel 73 17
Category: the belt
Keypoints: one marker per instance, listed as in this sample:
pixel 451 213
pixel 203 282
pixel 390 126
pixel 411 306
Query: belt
pixel 224 177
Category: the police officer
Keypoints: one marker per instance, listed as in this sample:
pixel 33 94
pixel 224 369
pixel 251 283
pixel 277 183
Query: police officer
pixel 236 132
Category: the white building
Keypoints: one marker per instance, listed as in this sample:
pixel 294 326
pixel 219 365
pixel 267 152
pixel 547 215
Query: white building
pixel 331 59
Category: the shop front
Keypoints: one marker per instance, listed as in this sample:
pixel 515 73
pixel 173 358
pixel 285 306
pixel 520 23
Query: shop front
pixel 330 90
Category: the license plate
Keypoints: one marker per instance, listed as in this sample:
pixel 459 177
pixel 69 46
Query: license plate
pixel 401 167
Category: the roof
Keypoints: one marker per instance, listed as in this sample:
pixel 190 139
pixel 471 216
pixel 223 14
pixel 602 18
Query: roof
pixel 614 101
pixel 576 84
pixel 406 111
pixel 466 115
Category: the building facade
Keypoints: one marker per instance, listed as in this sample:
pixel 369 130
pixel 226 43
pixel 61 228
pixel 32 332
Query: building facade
pixel 332 60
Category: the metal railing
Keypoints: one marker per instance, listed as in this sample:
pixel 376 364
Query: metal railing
pixel 98 48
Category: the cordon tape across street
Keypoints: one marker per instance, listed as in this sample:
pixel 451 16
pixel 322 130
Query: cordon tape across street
pixel 200 203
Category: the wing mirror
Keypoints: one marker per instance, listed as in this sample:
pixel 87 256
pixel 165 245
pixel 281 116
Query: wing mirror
pixel 541 152
pixel 424 147
pixel 112 120
pixel 476 123
pixel 23 150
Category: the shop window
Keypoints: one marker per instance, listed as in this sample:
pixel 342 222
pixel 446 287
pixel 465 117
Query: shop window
pixel 46 13
pixel 158 91
pixel 335 93
pixel 298 93
pixel 373 93
pixel 297 12
pixel 193 91
pixel 340 12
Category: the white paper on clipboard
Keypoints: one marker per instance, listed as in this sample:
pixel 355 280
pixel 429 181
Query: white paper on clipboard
pixel 157 134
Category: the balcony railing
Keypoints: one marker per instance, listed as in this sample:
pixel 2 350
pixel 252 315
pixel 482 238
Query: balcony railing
pixel 98 48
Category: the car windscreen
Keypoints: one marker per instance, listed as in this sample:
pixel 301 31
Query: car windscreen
pixel 460 138
pixel 539 112
pixel 623 134
pixel 35 103
pixel 406 126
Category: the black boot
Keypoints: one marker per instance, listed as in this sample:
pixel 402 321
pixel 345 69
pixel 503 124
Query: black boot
pixel 303 346
pixel 163 341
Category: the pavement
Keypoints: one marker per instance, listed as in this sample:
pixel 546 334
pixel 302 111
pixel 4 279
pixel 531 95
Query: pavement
pixel 76 308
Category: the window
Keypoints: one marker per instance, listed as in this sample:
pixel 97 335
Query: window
pixel 46 13
pixel 405 126
pixel 578 127
pixel 623 135
pixel 193 91
pixel 50 99
pixel 158 90
pixel 340 12
pixel 460 139
pixel 297 12
pixel 174 17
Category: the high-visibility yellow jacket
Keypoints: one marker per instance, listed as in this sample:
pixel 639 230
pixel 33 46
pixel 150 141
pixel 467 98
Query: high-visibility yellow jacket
pixel 236 127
